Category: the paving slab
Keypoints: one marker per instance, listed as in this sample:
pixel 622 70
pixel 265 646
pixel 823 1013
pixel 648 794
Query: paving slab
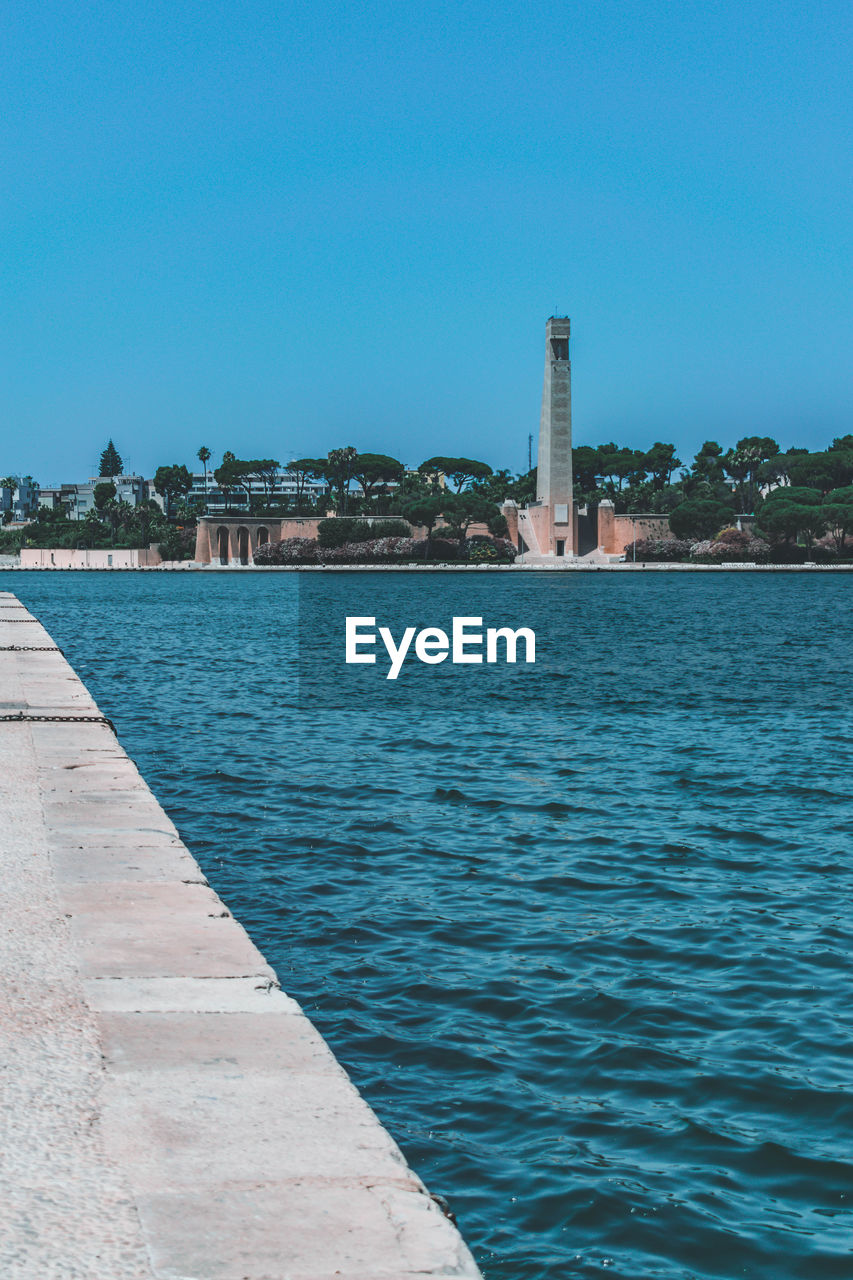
pixel 168 1112
pixel 139 929
pixel 80 863
pixel 188 995
pixel 323 1228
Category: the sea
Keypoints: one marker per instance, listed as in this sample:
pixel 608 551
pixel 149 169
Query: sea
pixel 579 929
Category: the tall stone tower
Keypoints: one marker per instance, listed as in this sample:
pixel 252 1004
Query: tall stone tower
pixel 554 463
pixel 547 528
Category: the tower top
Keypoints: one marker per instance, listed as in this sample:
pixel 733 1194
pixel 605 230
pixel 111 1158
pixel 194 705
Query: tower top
pixel 557 333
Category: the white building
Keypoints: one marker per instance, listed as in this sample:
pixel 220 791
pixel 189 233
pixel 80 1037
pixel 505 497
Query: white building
pixel 77 500
pixel 20 499
pixel 284 491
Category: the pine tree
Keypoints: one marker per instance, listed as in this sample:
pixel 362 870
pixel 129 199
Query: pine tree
pixel 111 463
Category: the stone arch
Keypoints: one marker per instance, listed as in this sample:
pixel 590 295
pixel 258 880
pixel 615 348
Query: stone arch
pixel 222 540
pixel 243 544
pixel 263 536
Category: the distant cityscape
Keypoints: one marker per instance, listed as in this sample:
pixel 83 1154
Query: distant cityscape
pixel 617 501
pixel 22 498
pixel 234 486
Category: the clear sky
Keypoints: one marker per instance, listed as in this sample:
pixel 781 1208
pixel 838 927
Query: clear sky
pixel 282 227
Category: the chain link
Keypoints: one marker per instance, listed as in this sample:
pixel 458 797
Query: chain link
pixel 30 648
pixel 27 717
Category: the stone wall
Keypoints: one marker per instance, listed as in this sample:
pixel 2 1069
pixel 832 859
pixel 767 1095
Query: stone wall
pixel 95 558
pixel 616 532
pixel 241 536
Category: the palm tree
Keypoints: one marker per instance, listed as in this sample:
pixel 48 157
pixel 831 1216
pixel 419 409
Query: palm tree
pixel 203 456
pixel 10 483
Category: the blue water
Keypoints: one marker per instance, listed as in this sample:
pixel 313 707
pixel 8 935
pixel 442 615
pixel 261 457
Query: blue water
pixel 581 932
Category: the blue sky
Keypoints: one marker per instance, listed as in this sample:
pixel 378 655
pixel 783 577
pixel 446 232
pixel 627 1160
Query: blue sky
pixel 280 227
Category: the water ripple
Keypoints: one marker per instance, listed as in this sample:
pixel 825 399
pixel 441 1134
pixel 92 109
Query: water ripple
pixel 581 934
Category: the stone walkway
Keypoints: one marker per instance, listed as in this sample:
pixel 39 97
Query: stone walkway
pixel 166 1110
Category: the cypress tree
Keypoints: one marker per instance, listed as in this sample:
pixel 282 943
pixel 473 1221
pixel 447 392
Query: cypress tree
pixel 111 463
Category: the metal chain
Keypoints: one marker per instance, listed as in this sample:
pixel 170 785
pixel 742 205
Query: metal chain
pixel 30 648
pixel 10 622
pixel 26 716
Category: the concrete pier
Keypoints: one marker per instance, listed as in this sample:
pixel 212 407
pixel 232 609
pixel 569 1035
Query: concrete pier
pixel 166 1110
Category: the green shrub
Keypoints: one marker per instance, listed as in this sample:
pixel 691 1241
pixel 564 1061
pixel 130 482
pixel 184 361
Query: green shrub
pixel 177 544
pixel 338 532
pixel 699 518
pixel 10 541
pixel 390 529
pixel 335 533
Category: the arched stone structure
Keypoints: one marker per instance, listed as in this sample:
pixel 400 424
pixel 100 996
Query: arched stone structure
pixel 218 537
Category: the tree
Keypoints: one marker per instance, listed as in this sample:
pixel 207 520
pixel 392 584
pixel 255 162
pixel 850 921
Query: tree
pixel 699 518
pixel 425 511
pixel 414 485
pixel 464 509
pixel 233 474
pixel 103 494
pixel 660 462
pixel 203 456
pixel 742 464
pixel 524 489
pixel 706 475
pixel 117 513
pixel 618 465
pixel 790 512
pixel 585 472
pixel 303 470
pixel 224 477
pixel 837 508
pixel 10 483
pixel 146 515
pixel 375 471
pixel 239 473
pixel 265 471
pixel 460 470
pixel 826 471
pixel 339 469
pixel 772 472
pixel 497 487
pixel 111 463
pixel 172 482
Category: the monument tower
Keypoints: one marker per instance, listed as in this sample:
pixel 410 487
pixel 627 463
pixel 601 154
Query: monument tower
pixel 547 525
pixel 554 463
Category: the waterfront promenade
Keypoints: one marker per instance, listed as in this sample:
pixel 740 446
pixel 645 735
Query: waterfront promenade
pixel 167 1110
pixel 566 566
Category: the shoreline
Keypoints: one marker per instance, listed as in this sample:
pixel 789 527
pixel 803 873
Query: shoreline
pixel 190 566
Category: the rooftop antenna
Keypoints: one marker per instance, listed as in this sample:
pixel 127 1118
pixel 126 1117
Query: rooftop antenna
pixel 530 451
